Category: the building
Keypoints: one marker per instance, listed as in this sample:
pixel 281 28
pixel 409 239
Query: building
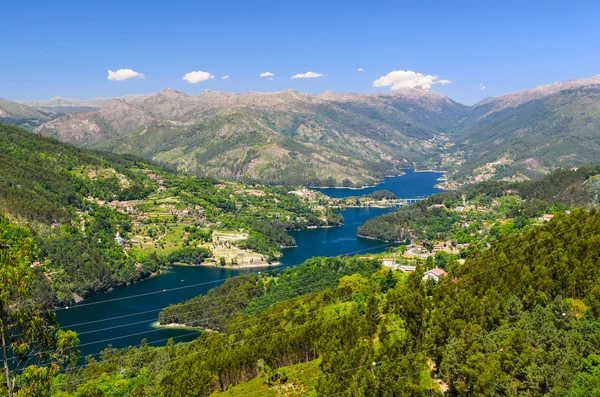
pixel 546 217
pixel 436 273
pixel 416 249
pixel 389 262
pixel 406 268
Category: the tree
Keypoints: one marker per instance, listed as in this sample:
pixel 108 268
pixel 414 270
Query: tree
pixel 33 348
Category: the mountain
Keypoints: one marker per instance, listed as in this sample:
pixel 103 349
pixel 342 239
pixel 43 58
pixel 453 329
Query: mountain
pixel 72 105
pixel 507 207
pixel 12 112
pixel 282 137
pixel 342 139
pixel 94 215
pixel 534 131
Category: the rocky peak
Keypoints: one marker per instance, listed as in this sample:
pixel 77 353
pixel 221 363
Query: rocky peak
pixel 170 93
pixel 518 98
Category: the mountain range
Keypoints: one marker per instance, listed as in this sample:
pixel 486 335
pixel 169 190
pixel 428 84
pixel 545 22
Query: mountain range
pixel 334 139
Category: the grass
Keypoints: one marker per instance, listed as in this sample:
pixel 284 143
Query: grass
pixel 230 253
pixel 220 236
pixel 172 239
pixel 301 382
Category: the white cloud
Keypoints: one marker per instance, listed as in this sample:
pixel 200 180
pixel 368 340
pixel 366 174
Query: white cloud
pixel 481 86
pixel 267 74
pixel 307 75
pixel 197 76
pixel 360 70
pixel 271 78
pixel 399 79
pixel 123 74
pixel 225 77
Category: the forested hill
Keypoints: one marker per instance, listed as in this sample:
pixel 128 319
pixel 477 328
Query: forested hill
pixel 101 220
pixel 336 139
pixel 44 185
pixel 487 208
pixel 44 180
pixel 518 318
pixel 534 131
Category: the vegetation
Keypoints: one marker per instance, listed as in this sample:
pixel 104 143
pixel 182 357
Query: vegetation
pixel 101 220
pixel 383 194
pixel 194 256
pixel 560 130
pixel 521 317
pixel 33 348
pixel 487 209
pixel 253 293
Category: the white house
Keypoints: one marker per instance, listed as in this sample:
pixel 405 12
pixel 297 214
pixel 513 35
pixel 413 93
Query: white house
pixel 389 262
pixel 436 273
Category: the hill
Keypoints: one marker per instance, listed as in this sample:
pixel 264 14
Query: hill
pixel 101 220
pixel 520 317
pixel 283 138
pixel 340 139
pixel 487 210
pixel 19 114
pixel 534 131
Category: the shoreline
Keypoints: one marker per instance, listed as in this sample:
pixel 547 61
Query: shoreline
pixel 376 183
pixel 161 271
pixel 243 266
pixel 436 171
pixel 158 325
pixel 378 239
pixel 357 188
pixel 372 206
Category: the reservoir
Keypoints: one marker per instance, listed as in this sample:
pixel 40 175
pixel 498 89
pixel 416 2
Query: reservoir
pixel 126 315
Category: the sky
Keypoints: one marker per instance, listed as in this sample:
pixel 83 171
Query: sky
pixel 465 50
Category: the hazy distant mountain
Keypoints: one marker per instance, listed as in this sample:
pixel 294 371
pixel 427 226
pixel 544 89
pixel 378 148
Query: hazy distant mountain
pixel 339 138
pixel 12 112
pixel 274 137
pixel 555 125
pixel 71 105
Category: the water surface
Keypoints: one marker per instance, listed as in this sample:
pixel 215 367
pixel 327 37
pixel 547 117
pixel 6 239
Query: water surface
pixel 125 316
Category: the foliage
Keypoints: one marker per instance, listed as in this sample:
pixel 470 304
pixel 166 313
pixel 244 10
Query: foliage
pixel 34 348
pixel 506 322
pixel 193 256
pixel 436 218
pixel 383 194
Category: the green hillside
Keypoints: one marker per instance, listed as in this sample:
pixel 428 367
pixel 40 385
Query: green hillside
pixel 101 220
pixel 19 114
pixel 492 208
pixel 561 130
pixel 278 138
pixel 520 317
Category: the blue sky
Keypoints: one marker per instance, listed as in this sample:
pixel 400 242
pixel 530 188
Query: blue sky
pixel 65 48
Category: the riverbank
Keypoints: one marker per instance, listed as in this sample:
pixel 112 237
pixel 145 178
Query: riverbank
pixel 361 187
pixel 156 324
pixel 436 171
pixel 77 299
pixel 239 266
pixel 377 239
pixel 145 299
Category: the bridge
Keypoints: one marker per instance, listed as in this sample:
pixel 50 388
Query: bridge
pixel 409 201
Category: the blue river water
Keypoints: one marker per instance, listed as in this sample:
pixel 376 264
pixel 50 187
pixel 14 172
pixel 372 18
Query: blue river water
pixel 126 315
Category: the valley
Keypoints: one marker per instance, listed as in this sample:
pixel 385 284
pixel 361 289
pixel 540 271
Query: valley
pixel 331 139
pixel 299 199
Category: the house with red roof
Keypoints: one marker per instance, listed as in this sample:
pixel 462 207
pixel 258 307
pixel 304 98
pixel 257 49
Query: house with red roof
pixel 436 273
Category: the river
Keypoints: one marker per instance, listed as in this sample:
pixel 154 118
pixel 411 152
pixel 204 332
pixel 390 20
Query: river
pixel 126 315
